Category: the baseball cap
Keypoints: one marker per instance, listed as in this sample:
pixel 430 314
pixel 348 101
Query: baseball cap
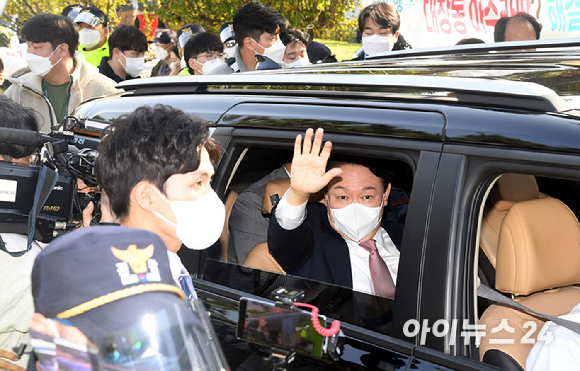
pixel 227 32
pixel 104 278
pixel 91 16
pixel 162 37
pixel 72 11
pixel 319 53
pixel 187 31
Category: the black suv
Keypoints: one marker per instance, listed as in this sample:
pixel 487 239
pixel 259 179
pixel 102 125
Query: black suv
pixel 476 141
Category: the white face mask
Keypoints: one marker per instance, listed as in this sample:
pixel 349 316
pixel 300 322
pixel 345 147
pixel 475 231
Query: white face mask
pixel 199 222
pixel 89 38
pixel 356 221
pixel 134 66
pixel 275 52
pixel 300 62
pixel 40 65
pixel 377 44
pixel 160 53
pixel 230 52
pixel 211 65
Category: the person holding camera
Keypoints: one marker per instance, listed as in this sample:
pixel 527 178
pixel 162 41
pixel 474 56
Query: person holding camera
pixel 16 305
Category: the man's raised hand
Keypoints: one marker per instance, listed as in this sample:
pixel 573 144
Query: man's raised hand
pixel 308 174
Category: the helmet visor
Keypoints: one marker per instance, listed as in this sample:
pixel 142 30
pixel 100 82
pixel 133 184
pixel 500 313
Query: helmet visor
pixel 171 339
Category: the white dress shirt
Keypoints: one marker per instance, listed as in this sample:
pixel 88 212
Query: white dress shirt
pixel 290 217
pixel 559 349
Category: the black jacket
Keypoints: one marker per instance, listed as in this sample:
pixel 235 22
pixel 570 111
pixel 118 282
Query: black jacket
pixel 106 70
pixel 315 250
pixel 401 44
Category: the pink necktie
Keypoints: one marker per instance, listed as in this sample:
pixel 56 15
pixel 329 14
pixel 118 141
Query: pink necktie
pixel 381 278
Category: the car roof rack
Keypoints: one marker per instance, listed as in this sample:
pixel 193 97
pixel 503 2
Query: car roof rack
pixel 516 46
pixel 474 91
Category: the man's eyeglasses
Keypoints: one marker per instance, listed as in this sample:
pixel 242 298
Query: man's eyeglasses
pixel 230 43
pixel 210 56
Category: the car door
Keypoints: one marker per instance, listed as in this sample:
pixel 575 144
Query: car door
pixel 397 133
pixel 480 146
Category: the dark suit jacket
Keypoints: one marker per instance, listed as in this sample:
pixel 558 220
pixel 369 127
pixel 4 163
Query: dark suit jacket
pixel 315 250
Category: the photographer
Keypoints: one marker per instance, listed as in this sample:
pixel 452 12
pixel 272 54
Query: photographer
pixel 16 306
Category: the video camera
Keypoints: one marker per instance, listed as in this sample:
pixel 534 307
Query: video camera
pixel 19 183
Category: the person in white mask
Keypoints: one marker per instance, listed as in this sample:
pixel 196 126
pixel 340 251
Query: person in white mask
pixel 341 241
pixel 93 34
pixel 162 182
pixel 126 61
pixel 57 79
pixel 164 44
pixel 203 53
pixel 257 29
pixel 295 54
pixel 379 25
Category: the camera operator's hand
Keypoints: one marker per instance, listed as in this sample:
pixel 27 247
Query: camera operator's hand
pixel 88 214
pixel 5 364
pixel 82 187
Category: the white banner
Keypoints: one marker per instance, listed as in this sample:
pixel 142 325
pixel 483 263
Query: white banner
pixel 431 23
pixel 2 6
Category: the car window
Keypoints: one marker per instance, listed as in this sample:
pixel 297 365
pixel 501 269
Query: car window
pixel 528 224
pixel 253 170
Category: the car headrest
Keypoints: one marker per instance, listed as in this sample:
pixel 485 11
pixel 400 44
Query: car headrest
pixel 538 247
pixel 514 188
pixel 276 189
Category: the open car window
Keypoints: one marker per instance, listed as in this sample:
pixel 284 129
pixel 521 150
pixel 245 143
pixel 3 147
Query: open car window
pixel 336 302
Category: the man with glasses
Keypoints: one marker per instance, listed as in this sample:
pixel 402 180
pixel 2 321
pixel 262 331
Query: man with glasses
pixel 203 53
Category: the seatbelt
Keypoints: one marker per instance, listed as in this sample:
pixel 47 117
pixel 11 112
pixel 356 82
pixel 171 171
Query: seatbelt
pixel 46 181
pixel 493 295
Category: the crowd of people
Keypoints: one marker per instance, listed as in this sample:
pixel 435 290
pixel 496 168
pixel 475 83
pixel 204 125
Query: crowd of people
pixel 153 185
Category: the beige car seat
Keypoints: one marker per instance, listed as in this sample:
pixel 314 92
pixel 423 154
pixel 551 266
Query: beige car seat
pixel 510 188
pixel 260 257
pixel 538 259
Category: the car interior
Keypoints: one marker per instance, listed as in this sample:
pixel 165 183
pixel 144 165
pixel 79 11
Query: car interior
pixel 529 251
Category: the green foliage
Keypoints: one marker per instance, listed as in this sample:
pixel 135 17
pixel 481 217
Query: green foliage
pixel 342 50
pixel 313 16
pixel 5 36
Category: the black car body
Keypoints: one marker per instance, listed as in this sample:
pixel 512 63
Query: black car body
pixel 447 124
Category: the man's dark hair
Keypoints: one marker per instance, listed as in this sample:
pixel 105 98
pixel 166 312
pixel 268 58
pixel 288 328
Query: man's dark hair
pixel 376 167
pixel 16 116
pixel 291 35
pixel 383 14
pixel 501 25
pixel 127 37
pixel 201 43
pixel 1 65
pixel 150 144
pixel 51 28
pixel 470 40
pixel 253 19
pixel 175 49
